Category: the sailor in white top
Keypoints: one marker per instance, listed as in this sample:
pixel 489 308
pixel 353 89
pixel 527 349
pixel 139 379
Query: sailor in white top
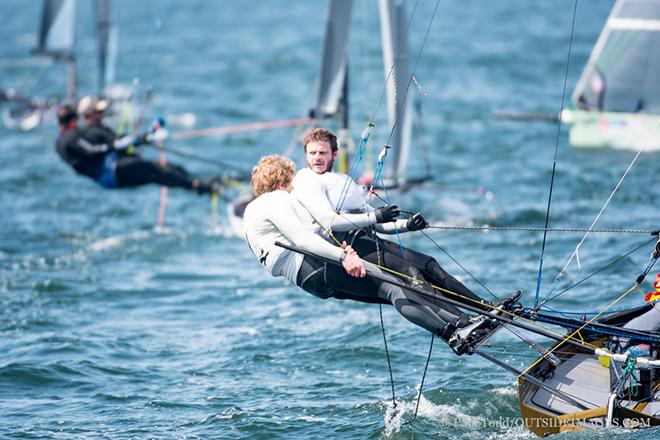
pixel 335 202
pixel 338 209
pixel 272 217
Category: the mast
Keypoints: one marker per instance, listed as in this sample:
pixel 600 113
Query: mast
pixel 394 30
pixel 106 48
pixel 332 87
pixel 333 74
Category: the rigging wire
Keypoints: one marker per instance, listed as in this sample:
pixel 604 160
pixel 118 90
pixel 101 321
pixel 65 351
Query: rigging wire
pixel 575 253
pixel 389 74
pixel 387 355
pixel 554 162
pixel 470 274
pixel 364 138
pixel 412 72
pixel 513 228
pixel 421 385
pixel 577 331
pixel 596 273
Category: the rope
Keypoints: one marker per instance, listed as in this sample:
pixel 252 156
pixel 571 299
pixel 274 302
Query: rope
pixel 483 304
pixel 357 159
pixel 554 162
pixel 460 265
pixel 456 294
pixel 512 228
pixel 628 373
pixel 421 385
pixel 546 300
pixel 616 188
pixel 387 354
pixel 621 334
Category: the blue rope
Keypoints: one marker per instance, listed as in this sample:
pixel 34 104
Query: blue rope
pixel 398 236
pixel 357 159
pixel 591 329
pixel 562 313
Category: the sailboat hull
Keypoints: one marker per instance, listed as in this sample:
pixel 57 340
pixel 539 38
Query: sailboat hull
pixel 630 131
pixel 583 384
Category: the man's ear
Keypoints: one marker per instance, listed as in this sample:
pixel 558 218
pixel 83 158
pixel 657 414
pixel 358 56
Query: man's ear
pixel 334 155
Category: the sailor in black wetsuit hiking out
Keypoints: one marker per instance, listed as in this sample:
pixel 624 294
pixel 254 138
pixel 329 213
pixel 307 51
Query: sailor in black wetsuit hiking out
pixel 96 153
pixel 276 216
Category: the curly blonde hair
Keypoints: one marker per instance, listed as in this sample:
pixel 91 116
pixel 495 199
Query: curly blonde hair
pixel 272 173
pixel 320 135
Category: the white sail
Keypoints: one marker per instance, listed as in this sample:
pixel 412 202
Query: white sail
pixel 332 77
pixel 57 37
pixel 622 72
pixel 57 30
pixel 394 27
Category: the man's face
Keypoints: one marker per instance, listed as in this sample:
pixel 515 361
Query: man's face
pixel 94 118
pixel 320 156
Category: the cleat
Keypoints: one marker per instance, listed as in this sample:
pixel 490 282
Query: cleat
pixel 510 303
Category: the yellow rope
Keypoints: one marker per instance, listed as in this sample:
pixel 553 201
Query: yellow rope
pixel 328 230
pixel 484 304
pixel 214 209
pixel 578 330
pixel 125 122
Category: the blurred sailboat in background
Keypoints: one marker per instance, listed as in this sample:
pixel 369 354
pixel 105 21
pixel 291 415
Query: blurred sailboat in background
pixel 616 102
pixel 332 90
pixel 56 42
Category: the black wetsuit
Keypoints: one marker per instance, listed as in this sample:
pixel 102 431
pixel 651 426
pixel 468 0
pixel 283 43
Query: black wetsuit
pixel 412 263
pixel 331 281
pixel 91 153
pixel 82 155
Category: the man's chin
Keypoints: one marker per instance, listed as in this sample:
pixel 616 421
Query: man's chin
pixel 319 169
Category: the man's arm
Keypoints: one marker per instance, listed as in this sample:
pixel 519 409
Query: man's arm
pixel 296 233
pixel 87 148
pixel 312 196
pixel 415 223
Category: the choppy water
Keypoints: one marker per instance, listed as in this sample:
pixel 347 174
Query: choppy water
pixel 109 328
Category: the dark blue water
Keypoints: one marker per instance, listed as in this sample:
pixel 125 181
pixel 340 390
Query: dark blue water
pixel 112 328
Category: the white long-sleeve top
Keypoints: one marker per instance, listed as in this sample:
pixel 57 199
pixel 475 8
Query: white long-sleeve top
pixel 335 202
pixel 273 217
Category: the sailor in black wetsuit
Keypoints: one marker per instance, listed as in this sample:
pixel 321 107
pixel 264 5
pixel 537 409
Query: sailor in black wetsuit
pixel 96 153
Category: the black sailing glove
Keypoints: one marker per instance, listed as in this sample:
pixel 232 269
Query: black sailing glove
pixel 386 214
pixel 416 222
